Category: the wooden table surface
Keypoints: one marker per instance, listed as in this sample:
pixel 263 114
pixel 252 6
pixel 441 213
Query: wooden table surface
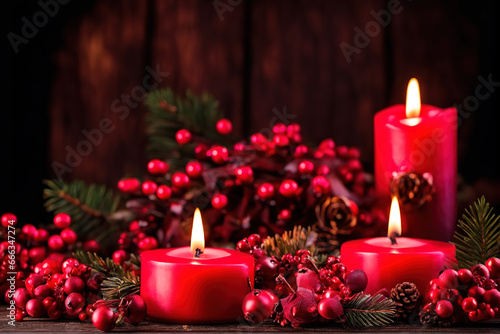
pixel 60 326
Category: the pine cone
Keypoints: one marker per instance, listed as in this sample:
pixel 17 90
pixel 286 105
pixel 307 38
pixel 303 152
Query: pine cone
pixel 406 296
pixel 430 317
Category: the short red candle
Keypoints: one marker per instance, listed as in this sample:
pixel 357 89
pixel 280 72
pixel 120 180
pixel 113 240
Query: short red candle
pixel 180 289
pixel 192 285
pixel 411 260
pixel 426 143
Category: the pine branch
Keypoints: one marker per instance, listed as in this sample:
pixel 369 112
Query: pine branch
pixel 168 113
pixel 364 310
pixel 118 282
pixel 90 207
pixel 290 242
pixel 476 238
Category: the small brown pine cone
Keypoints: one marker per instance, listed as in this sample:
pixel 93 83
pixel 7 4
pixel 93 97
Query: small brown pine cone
pixel 406 297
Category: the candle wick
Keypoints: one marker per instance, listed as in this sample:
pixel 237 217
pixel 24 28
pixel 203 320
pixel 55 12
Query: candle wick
pixel 393 237
pixel 198 252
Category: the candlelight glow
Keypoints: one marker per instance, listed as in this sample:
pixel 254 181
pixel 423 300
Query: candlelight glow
pixel 413 99
pixel 197 234
pixel 394 219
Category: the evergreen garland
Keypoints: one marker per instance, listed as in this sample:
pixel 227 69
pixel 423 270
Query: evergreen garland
pixel 477 236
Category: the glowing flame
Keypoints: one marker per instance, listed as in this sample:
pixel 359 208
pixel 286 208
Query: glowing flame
pixel 413 99
pixel 197 234
pixel 394 219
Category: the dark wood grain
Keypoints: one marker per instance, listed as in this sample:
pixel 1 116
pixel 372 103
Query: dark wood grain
pixel 59 326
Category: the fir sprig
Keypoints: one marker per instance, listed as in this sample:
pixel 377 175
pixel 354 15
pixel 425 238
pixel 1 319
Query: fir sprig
pixel 364 310
pixel 118 282
pixel 90 207
pixel 168 113
pixel 477 235
pixel 290 242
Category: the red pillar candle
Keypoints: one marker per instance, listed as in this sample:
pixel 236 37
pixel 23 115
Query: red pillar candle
pixel 410 260
pixel 180 288
pixel 423 140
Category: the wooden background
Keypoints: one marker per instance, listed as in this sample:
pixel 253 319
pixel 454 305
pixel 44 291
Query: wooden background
pixel 255 57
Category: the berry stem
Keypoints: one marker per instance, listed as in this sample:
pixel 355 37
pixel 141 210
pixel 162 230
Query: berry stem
pixel 281 279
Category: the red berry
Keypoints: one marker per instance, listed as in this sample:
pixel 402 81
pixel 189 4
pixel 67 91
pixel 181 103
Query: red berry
pixel 82 316
pixel 35 308
pixel 194 169
pixel 481 270
pixel 353 153
pixel 42 291
pixel 265 191
pixel 37 254
pixel 219 154
pixel 493 265
pixel 239 147
pixel 448 279
pixel 476 292
pixel 157 167
pixel 200 151
pixel 321 185
pixel 164 192
pixel 129 186
pixel 69 236
pixel 9 219
pixel 149 188
pixel 69 264
pixel 342 151
pixel 258 306
pixel 285 214
pixel 73 284
pixel 48 301
pixel 464 276
pixel 219 201
pixel 244 174
pixel 74 303
pixel 148 243
pixel 92 246
pixel 120 256
pixel 279 128
pixel 21 297
pixel 300 151
pixel 224 126
pixel 54 311
pixel 435 295
pixel 469 304
pixel 103 318
pixel 183 136
pixel 292 129
pixel 56 243
pixel 254 240
pixel 356 280
pixel 258 139
pixel 492 297
pixel 33 281
pixel 29 230
pixel 180 180
pixel 331 308
pixel 243 246
pixel 41 235
pixel 323 170
pixel 306 167
pixel 288 188
pixel 281 140
pixel 444 308
pixel 62 220
pixel 136 309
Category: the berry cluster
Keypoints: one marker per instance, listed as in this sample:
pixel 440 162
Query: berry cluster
pixel 106 314
pixel 464 295
pixel 292 290
pixel 265 185
pixel 23 250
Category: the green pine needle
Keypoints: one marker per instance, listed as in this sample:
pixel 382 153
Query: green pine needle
pixel 90 207
pixel 289 242
pixel 168 113
pixel 118 282
pixel 477 235
pixel 364 310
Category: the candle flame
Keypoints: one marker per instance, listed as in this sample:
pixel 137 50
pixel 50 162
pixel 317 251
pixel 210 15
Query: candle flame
pixel 197 235
pixel 413 99
pixel 394 229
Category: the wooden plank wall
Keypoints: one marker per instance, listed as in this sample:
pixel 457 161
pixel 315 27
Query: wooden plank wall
pixel 256 56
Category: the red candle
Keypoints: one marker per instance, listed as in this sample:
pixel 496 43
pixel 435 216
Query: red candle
pixel 179 287
pixel 387 264
pixel 421 140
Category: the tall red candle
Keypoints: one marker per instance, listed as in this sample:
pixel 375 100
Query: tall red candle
pixel 421 141
pixel 181 288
